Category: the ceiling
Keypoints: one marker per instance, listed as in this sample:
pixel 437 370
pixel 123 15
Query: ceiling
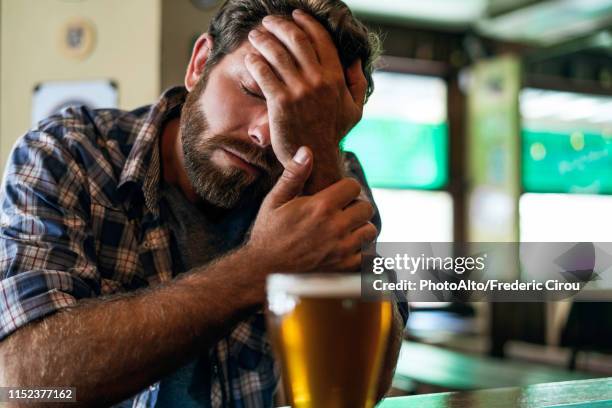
pixel 537 22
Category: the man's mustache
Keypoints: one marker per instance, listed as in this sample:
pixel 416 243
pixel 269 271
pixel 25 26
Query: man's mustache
pixel 263 158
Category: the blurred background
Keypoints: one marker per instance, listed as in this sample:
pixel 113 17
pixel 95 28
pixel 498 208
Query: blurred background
pixel 491 121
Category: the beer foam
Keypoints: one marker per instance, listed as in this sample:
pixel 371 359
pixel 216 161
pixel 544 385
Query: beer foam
pixel 315 285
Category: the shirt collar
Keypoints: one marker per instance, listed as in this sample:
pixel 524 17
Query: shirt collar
pixel 142 168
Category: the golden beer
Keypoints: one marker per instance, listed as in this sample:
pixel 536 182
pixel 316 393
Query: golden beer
pixel 330 343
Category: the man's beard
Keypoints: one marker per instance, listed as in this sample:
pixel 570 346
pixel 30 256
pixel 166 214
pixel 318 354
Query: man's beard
pixel 229 186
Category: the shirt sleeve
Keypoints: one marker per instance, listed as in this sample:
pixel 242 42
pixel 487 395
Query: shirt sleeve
pixel 354 169
pixel 46 249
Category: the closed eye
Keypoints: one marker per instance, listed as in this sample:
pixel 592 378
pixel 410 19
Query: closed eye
pixel 250 93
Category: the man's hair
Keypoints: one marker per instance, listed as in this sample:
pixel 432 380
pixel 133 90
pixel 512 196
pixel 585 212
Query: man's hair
pixel 231 24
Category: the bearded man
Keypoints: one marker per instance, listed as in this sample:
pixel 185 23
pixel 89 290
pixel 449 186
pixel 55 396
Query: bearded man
pixel 134 246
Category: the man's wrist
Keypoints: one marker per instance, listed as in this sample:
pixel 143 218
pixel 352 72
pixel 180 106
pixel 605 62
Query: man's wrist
pixel 254 256
pixel 251 272
pixel 327 169
pixel 239 277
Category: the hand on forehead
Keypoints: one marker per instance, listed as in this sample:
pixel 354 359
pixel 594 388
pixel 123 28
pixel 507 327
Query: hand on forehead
pixel 297 45
pixel 304 37
pixel 310 99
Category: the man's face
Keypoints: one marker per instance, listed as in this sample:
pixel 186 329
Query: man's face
pixel 225 135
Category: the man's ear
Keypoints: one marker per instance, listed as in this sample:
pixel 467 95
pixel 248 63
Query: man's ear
pixel 199 56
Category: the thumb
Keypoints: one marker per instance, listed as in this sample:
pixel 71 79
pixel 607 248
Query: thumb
pixel 291 182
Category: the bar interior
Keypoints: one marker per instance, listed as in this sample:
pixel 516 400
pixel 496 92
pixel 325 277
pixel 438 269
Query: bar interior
pixel 490 122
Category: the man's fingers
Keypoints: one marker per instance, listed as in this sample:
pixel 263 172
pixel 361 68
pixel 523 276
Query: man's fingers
pixel 291 182
pixel 356 215
pixel 349 253
pixel 363 235
pixel 341 193
pixel 276 54
pixel 295 40
pixel 357 83
pixel 357 239
pixel 263 74
pixel 351 263
pixel 320 38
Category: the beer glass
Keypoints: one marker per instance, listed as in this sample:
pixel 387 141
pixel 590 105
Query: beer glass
pixel 329 342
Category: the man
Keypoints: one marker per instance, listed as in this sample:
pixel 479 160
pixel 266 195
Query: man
pixel 135 245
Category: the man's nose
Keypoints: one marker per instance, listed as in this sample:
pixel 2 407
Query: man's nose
pixel 259 133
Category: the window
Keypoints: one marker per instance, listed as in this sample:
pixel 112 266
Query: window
pixel 566 150
pixel 402 144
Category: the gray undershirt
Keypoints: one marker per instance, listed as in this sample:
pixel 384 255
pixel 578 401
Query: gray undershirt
pixel 200 238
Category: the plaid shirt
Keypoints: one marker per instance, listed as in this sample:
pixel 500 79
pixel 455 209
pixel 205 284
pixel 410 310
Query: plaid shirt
pixel 80 218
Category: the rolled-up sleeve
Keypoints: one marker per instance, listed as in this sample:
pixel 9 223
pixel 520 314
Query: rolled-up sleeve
pixel 46 249
pixel 354 169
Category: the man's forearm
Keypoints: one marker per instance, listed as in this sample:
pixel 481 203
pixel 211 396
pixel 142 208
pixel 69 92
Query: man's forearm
pixel 109 349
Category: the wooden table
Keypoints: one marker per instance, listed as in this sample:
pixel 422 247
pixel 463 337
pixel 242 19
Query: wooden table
pixel 596 393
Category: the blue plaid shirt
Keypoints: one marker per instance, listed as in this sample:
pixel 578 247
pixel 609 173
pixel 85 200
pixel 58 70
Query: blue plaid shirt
pixel 80 218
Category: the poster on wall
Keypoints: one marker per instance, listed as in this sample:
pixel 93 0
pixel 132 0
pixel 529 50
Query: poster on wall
pixel 493 150
pixel 51 97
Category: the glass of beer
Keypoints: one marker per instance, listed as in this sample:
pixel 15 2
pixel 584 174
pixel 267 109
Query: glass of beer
pixel 330 342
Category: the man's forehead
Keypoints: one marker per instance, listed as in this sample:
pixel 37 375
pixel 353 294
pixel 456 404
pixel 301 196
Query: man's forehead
pixel 233 63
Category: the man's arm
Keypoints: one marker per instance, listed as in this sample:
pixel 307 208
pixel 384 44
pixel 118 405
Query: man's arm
pixel 112 348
